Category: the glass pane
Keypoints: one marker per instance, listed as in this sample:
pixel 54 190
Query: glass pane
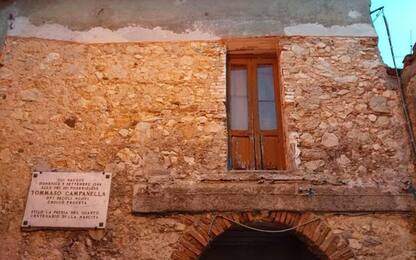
pixel 265 83
pixel 239 113
pixel 238 98
pixel 267 110
pixel 266 100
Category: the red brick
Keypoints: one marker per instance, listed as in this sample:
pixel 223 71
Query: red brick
pixel 320 233
pixel 220 224
pixel 266 216
pixel 272 215
pixel 283 217
pixel 277 217
pixel 245 217
pixel 304 219
pixel 288 218
pixel 216 230
pixel 329 240
pixel 187 220
pixel 235 217
pixel 296 219
pixel 250 216
pixel 198 237
pixel 191 248
pixel 226 223
pixel 207 220
pixel 203 229
pixel 309 229
pixel 291 219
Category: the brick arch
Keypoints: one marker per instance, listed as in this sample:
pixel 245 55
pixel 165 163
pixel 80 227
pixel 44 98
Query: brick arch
pixel 309 228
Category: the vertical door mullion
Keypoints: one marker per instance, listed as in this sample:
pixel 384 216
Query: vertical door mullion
pixel 228 108
pixel 255 112
pixel 251 116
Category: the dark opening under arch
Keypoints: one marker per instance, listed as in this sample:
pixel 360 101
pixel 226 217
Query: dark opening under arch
pixel 307 227
pixel 244 244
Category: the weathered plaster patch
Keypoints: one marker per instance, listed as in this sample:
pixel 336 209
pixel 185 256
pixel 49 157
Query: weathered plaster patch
pixel 294 144
pixel 24 28
pixel 314 29
pixel 354 14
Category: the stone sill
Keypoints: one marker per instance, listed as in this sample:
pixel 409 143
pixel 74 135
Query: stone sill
pixel 253 175
pixel 247 191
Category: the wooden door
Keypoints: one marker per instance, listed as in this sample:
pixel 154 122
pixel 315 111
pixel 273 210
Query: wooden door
pixel 255 122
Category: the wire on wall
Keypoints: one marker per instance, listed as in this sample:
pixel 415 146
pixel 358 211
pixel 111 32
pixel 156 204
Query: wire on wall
pixel 400 86
pixel 258 229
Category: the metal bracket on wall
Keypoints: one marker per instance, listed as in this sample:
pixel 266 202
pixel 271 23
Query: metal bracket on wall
pixel 411 189
pixel 306 191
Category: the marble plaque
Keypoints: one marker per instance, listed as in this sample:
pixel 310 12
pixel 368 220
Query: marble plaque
pixel 67 200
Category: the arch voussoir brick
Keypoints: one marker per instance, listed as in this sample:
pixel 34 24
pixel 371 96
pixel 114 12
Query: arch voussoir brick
pixel 309 227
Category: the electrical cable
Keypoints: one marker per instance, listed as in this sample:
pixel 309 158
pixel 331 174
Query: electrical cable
pixel 401 91
pixel 377 15
pixel 258 229
pixel 402 97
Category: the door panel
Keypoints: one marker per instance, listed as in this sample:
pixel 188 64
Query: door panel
pixel 272 155
pixel 269 129
pixel 242 155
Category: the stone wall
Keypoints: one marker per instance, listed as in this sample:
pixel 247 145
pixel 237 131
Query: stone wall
pixel 408 76
pixel 377 236
pixel 150 110
pixel 344 113
pixel 134 109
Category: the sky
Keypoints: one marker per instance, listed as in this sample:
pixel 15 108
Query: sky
pixel 401 17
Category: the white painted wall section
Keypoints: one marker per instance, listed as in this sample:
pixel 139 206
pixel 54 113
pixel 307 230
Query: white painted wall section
pixel 313 29
pixel 23 28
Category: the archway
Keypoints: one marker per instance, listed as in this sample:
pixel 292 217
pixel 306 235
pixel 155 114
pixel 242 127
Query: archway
pixel 313 231
pixel 245 244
